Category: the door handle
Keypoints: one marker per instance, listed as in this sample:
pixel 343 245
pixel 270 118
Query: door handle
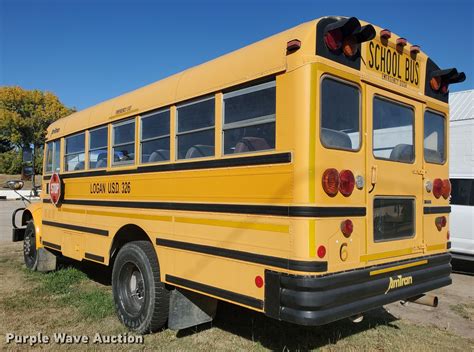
pixel 373 177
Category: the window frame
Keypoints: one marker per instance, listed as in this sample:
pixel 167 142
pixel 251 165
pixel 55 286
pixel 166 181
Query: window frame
pixel 396 102
pixel 113 145
pixel 349 83
pixel 53 143
pixel 439 113
pixel 77 153
pixel 178 134
pixel 261 120
pixel 148 115
pixel 89 150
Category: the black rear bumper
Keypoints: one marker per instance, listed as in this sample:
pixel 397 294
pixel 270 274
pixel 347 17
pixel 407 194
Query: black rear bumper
pixel 317 300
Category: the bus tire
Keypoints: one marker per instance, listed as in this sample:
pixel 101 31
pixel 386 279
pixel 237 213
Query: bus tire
pixel 30 253
pixel 141 299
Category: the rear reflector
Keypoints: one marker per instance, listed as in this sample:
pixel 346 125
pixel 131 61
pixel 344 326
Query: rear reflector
pixel 258 281
pixel 440 222
pixel 321 251
pixel 347 227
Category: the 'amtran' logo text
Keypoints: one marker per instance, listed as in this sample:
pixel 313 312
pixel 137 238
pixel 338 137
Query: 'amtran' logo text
pixel 399 281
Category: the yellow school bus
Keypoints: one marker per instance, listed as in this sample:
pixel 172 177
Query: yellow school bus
pixel 304 176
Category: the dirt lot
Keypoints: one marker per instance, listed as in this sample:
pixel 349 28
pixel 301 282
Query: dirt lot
pixel 77 300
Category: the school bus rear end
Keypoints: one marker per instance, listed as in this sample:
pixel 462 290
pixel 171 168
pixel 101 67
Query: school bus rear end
pixel 346 212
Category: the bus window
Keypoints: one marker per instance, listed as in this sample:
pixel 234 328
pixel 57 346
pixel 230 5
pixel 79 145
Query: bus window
pixel 393 131
pixel 434 138
pixel 52 156
pixel 462 191
pixel 195 134
pixel 98 148
pixel 249 119
pixel 340 123
pixel 74 155
pixel 155 137
pixel 124 142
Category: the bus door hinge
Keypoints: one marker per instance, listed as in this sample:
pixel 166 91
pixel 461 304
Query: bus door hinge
pixel 421 172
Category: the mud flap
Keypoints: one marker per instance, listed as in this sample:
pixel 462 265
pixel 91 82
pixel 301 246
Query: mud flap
pixel 18 234
pixel 46 260
pixel 188 309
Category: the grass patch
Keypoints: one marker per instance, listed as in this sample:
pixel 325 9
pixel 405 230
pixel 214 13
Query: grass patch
pixel 67 287
pixel 464 310
pixel 93 304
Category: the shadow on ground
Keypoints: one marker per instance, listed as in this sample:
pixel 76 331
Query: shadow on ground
pixel 256 327
pixel 277 335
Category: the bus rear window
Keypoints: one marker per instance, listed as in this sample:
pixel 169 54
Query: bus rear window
pixel 434 138
pixel 340 115
pixel 393 131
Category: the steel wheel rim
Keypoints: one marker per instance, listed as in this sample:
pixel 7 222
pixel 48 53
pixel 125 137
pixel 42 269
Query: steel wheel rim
pixel 132 291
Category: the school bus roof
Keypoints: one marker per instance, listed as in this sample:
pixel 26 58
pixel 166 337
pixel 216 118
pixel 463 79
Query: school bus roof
pixel 254 61
pixel 260 59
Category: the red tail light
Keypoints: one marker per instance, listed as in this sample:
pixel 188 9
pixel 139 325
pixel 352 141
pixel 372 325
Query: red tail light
pixel 446 189
pixel 448 235
pixel 346 182
pixel 347 227
pixel 333 39
pixel 321 251
pixel 331 182
pixel 258 281
pixel 437 187
pixel 441 222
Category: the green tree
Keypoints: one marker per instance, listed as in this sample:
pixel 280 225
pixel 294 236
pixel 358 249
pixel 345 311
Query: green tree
pixel 24 118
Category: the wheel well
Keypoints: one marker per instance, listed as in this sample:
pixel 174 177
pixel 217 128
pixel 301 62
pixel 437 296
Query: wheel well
pixel 127 233
pixel 26 216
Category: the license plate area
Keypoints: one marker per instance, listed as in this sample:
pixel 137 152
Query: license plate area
pixel 394 218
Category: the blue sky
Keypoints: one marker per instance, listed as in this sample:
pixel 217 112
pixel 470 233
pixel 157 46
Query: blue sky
pixel 88 51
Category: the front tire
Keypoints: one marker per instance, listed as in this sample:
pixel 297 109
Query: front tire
pixel 30 253
pixel 141 299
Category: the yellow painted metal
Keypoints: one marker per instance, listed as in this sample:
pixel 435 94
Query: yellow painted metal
pixel 398 267
pixel 298 97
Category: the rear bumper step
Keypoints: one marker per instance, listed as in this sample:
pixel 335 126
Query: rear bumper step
pixel 317 300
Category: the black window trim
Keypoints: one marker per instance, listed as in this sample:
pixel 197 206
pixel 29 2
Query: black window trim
pixel 156 138
pixel 178 134
pixel 86 158
pixel 359 89
pixel 89 149
pixel 114 163
pixel 411 107
pixel 445 159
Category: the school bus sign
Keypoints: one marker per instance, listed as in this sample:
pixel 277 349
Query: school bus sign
pixel 393 64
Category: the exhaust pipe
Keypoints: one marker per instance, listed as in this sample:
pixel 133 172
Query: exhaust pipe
pixel 423 299
pixel 357 318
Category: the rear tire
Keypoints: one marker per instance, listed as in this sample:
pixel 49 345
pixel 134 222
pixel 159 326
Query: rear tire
pixel 30 253
pixel 141 299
